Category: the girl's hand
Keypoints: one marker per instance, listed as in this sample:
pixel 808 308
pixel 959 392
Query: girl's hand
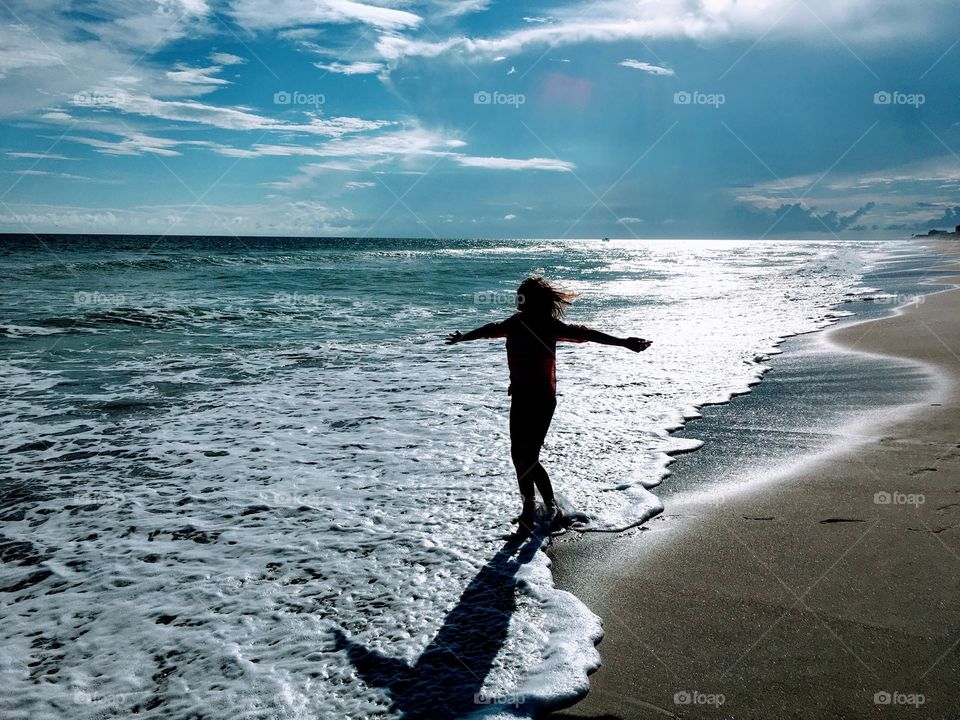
pixel 454 337
pixel 637 344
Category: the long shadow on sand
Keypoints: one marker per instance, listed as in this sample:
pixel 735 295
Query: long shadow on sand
pixel 446 679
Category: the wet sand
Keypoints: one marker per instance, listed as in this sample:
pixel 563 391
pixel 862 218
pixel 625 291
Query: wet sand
pixel 829 591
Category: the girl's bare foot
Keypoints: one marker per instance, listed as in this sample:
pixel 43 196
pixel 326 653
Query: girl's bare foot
pixel 555 516
pixel 528 516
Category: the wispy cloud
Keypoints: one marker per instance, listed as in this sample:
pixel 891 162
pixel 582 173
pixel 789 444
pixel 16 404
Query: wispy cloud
pixel 47 173
pixel 223 117
pixel 197 76
pixel 296 217
pixel 224 59
pixel 456 8
pixel 275 14
pixel 136 143
pixel 646 67
pixel 351 68
pixel 38 156
pixel 618 20
pixel 502 163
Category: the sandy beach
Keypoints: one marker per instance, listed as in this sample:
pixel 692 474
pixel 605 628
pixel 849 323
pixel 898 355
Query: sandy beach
pixel 828 591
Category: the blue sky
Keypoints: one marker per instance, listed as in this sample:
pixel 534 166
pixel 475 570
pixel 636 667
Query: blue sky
pixel 475 118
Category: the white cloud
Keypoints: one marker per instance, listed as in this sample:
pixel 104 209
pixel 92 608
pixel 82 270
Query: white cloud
pixel 56 116
pixel 358 185
pixel 197 76
pixel 932 171
pixel 271 218
pixel 203 75
pixel 224 59
pixel 628 220
pixel 226 118
pixel 351 68
pixel 501 163
pixel 19 49
pixel 136 143
pixel 414 149
pixel 51 52
pixel 38 156
pixel 408 143
pixel 509 216
pixel 65 176
pixel 907 195
pixel 456 8
pixel 646 67
pixel 276 14
pixel 855 21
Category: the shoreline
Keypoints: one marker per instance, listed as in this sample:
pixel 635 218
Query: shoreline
pixel 800 594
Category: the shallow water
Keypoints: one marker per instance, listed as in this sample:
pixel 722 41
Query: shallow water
pixel 245 478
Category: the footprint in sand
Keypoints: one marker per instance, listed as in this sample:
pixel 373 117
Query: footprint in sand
pixel 934 531
pixel 829 521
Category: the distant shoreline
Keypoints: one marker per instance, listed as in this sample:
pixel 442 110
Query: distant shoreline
pixel 935 234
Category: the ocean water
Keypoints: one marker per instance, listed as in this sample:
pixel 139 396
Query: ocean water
pixel 245 478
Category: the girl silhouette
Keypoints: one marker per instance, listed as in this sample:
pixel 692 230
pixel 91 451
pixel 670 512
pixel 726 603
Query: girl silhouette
pixel 532 334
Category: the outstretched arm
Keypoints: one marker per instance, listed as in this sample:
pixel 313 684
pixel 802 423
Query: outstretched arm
pixel 490 330
pixel 581 333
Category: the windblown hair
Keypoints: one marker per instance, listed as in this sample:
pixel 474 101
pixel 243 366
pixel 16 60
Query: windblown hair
pixel 536 296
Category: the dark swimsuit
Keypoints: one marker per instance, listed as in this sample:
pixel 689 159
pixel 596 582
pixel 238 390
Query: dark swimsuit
pixel 531 355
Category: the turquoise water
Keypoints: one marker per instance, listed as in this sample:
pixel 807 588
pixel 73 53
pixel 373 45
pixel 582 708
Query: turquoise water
pixel 245 477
